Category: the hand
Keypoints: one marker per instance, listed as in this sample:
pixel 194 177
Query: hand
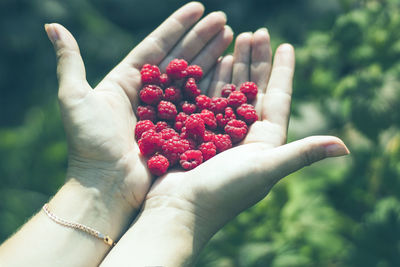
pixel 100 122
pixel 107 179
pixel 184 209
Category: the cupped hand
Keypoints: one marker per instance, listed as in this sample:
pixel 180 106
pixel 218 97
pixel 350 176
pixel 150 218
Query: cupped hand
pixel 99 122
pixel 222 187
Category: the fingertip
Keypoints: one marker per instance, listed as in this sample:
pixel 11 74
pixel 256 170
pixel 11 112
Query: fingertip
pixel 228 33
pixel 285 48
pixel 336 147
pixel 195 6
pixel 52 32
pixel 261 36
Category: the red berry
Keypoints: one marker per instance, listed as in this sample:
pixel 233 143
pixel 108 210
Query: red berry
pixel 208 136
pixel 180 120
pixel 146 113
pixel 151 94
pixel 236 129
pixel 250 90
pixel 168 133
pixel 236 98
pixel 203 102
pixel 150 74
pixel 161 125
pixel 150 142
pixel 228 89
pixel 172 94
pixel 195 127
pixel 222 142
pixel 165 80
pixel 143 126
pixel 191 89
pixel 222 119
pixel 209 119
pixel 194 71
pixel 247 113
pixel 191 159
pixel 218 104
pixel 208 150
pixel 166 110
pixel 173 148
pixel 188 107
pixel 176 69
pixel 158 165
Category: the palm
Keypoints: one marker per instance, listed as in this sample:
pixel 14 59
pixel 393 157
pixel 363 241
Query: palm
pixel 235 175
pixel 100 123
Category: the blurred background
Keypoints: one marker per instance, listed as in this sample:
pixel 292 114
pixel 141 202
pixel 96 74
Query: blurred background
pixel 339 212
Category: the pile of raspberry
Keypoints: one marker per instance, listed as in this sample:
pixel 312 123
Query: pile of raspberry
pixel 180 126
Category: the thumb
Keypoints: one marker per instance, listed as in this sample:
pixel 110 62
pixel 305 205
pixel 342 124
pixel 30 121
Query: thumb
pixel 298 154
pixel 70 67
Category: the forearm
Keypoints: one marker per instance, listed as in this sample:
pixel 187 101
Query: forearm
pixel 160 237
pixel 43 242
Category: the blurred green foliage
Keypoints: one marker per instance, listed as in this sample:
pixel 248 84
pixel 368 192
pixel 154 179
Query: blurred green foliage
pixel 340 212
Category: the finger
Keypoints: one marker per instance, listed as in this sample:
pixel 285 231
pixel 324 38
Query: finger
pixel 157 45
pixel 296 155
pixel 241 59
pixel 277 99
pixel 206 81
pixel 208 57
pixel 260 68
pixel 70 68
pixel 261 58
pixel 222 75
pixel 197 38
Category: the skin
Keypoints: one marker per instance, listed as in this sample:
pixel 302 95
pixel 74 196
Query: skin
pixel 107 179
pixel 183 210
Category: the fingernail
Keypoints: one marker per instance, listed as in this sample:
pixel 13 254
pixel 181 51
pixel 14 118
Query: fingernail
pixel 51 33
pixel 336 150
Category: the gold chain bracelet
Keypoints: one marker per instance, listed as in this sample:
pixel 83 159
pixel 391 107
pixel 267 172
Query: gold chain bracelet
pixel 78 226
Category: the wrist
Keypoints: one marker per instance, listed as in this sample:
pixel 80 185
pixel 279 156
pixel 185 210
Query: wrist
pixel 162 235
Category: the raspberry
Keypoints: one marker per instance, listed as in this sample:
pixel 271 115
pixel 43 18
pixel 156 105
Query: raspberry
pixel 236 98
pixel 222 142
pixel 208 118
pixel 222 119
pixel 180 120
pixel 165 80
pixel 188 107
pixel 208 150
pixel 218 104
pixel 158 165
pixel 176 69
pixel 143 126
pixel 166 110
pixel 150 142
pixel 168 133
pixel 203 102
pixel 195 72
pixel 146 113
pixel 236 129
pixel 173 148
pixel 172 94
pixel 191 159
pixel 228 89
pixel 247 113
pixel 208 136
pixel 250 90
pixel 195 127
pixel 161 125
pixel 150 74
pixel 191 89
pixel 151 94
